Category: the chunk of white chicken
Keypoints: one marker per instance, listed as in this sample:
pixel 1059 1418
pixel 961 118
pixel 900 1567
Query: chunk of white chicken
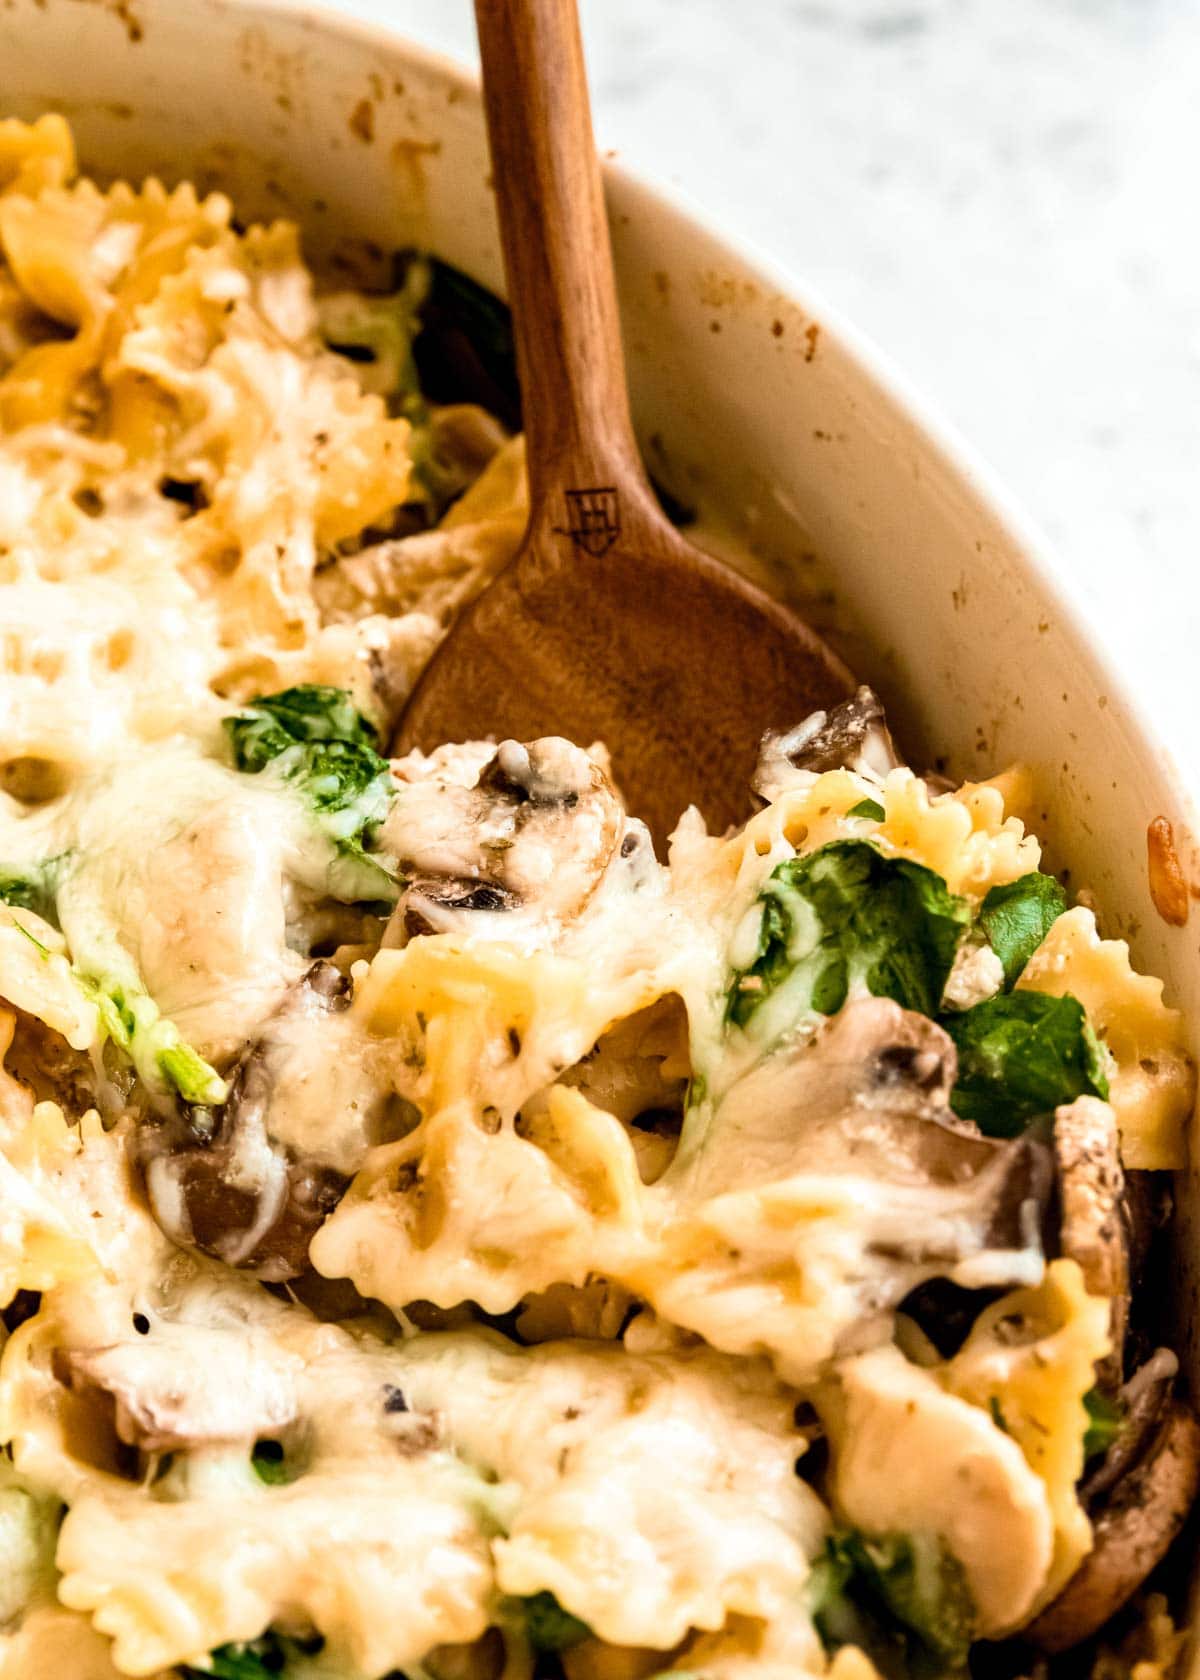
pixel 909 1457
pixel 1092 1220
pixel 178 864
pixel 188 1386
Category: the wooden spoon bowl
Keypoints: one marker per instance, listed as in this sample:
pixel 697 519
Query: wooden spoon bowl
pixel 607 625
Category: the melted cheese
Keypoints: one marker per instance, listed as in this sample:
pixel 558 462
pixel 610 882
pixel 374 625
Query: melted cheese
pixel 199 503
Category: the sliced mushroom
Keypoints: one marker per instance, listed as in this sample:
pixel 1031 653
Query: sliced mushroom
pixel 534 834
pixel 219 1180
pixel 1131 1534
pixel 1092 1228
pixel 1142 1402
pixel 850 736
pixel 203 1387
pixel 42 1060
pixel 868 1096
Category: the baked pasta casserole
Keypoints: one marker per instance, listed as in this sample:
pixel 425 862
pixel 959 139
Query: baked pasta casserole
pixel 439 1238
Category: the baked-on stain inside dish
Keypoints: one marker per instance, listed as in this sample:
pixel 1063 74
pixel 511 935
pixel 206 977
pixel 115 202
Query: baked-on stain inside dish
pixel 439 1237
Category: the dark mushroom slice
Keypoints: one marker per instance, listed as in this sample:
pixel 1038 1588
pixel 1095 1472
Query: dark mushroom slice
pixel 1092 1225
pixel 1142 1401
pixel 219 1181
pixel 42 1060
pixel 868 1095
pixel 850 736
pixel 536 834
pixel 1131 1534
pixel 428 902
pixel 206 1388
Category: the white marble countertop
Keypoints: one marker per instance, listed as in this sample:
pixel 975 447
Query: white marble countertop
pixel 1002 193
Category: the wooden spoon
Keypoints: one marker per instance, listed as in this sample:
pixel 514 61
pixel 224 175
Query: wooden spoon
pixel 607 625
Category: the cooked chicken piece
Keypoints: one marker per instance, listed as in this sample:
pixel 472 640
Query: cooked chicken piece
pixel 910 1458
pixel 199 1388
pixel 1092 1228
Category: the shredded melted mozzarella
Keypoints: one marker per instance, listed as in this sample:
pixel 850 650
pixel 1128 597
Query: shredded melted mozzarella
pixel 507 1084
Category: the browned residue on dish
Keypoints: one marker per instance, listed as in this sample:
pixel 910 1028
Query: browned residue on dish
pixel 777 328
pixel 125 14
pixel 362 121
pixel 1168 883
pixel 662 283
pixel 812 333
pixel 723 291
pixel 281 75
pixel 408 156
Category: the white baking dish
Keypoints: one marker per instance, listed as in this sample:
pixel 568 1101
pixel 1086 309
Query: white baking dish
pixel 749 394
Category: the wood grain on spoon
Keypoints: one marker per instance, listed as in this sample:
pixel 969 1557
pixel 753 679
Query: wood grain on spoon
pixel 607 625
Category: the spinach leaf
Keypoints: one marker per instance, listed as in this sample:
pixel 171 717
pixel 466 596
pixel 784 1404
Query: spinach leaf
pixel 903 1598
pixel 34 886
pixel 847 915
pixel 464 350
pixel 870 808
pixel 551 1628
pixel 128 1014
pixel 1018 916
pixel 315 738
pixel 1020 1055
pixel 1106 1419
pixel 255 1660
pixel 310 712
pixel 270 1464
pixel 130 1017
pixel 30 887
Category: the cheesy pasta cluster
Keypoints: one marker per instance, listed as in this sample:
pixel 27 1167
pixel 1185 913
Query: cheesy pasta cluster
pixel 440 1239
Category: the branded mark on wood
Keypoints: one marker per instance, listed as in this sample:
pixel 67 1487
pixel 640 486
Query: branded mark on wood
pixel 593 519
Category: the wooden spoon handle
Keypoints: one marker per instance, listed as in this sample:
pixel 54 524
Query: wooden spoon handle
pixel 557 256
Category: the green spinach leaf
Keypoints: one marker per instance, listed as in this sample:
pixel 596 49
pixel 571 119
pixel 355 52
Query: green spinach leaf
pixel 254 1660
pixel 1106 1419
pixel 1022 1054
pixel 903 1598
pixel 316 739
pixel 848 915
pixel 550 1627
pixel 869 808
pixel 1017 917
pixel 31 886
pixel 270 1463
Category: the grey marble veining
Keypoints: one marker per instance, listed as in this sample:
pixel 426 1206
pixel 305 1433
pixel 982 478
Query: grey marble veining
pixel 1002 193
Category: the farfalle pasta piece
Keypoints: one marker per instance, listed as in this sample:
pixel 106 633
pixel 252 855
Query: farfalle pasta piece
pixel 668 1499
pixel 1029 1360
pixel 36 155
pixel 88 260
pixel 384 1559
pixel 44 1238
pixel 469 1210
pixel 489 1023
pixel 964 836
pixel 436 572
pixel 1152 1081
